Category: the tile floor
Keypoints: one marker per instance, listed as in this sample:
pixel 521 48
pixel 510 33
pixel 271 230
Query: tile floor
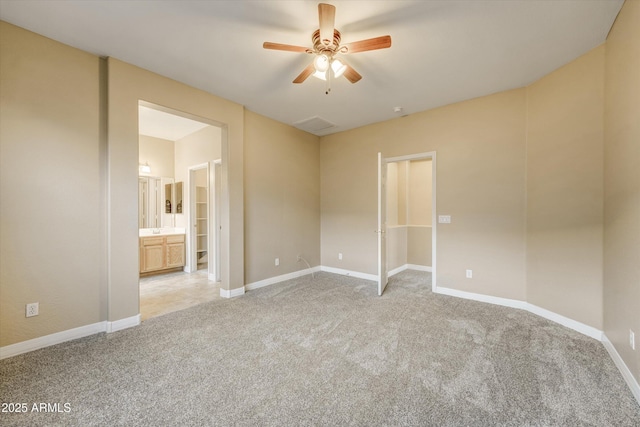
pixel 164 293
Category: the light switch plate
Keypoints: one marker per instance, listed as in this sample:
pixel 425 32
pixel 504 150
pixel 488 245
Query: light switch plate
pixel 444 219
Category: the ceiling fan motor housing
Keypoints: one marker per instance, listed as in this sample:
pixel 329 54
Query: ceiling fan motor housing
pixel 320 47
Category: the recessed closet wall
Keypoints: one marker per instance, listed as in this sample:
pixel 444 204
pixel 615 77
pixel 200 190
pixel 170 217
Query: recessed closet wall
pixel 409 213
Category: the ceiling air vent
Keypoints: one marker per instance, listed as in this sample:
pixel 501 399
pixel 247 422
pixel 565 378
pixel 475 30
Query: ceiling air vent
pixel 314 125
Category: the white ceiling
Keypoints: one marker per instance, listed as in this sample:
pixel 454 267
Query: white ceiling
pixel 156 123
pixel 442 51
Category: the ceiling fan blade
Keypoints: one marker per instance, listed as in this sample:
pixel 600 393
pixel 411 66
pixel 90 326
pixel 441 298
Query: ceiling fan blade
pixel 327 17
pixel 305 73
pixel 285 47
pixel 381 42
pixel 352 75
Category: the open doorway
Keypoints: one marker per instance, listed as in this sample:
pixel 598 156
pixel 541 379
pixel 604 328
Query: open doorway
pixel 407 212
pixel 177 155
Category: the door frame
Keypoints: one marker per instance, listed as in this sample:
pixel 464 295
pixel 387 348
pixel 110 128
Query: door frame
pixel 213 220
pixel 424 156
pixel 383 273
pixel 192 223
pixel 215 181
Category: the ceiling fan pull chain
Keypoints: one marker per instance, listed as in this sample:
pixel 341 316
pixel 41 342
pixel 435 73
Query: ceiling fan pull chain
pixel 329 72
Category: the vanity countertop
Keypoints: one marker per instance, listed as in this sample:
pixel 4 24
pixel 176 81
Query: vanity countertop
pixel 144 232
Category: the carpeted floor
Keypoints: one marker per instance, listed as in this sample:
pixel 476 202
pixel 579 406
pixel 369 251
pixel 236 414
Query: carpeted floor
pixel 327 351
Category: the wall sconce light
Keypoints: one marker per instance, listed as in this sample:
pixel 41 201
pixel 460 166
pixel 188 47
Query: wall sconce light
pixel 145 168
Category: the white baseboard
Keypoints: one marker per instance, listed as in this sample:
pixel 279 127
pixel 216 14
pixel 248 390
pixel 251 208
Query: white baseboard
pixel 587 330
pixel 366 276
pixel 68 335
pixel 407 267
pixel 52 339
pixel 481 297
pixel 622 367
pixel 224 293
pixel 282 278
pixel 419 267
pixel 396 270
pixel 118 325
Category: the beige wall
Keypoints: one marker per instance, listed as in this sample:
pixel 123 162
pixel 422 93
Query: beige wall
pixel 51 208
pixel 408 245
pixel 202 146
pixel 159 154
pixel 79 268
pixel 402 195
pixel 565 189
pixel 419 246
pixel 419 188
pixel 282 198
pixel 622 185
pixel 392 194
pixel 127 85
pixel 396 246
pixel 480 147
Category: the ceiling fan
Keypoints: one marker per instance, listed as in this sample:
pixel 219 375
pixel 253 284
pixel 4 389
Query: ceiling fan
pixel 326 46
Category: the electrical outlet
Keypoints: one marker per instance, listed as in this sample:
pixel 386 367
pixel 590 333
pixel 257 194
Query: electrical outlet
pixel 32 310
pixel 277 262
pixel 340 256
pixel 632 339
pixel 469 274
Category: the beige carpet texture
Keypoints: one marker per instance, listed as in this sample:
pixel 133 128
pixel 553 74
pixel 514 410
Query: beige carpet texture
pixel 326 351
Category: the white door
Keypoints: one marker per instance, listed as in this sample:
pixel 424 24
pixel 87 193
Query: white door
pixel 382 224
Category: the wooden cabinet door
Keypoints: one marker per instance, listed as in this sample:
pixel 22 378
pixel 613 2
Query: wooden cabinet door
pixel 175 255
pixel 152 258
pixel 160 252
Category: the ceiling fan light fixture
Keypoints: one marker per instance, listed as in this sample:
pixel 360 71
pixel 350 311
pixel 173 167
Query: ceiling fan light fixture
pixel 321 63
pixel 338 68
pixel 322 75
pixel 326 42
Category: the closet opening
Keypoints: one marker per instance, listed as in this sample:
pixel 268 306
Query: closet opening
pixel 407 215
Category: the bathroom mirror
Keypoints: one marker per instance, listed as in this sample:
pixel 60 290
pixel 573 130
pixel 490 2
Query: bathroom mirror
pixel 177 192
pixel 168 194
pixel 173 198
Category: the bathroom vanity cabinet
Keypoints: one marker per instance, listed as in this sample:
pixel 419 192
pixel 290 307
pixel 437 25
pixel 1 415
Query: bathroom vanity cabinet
pixel 161 252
